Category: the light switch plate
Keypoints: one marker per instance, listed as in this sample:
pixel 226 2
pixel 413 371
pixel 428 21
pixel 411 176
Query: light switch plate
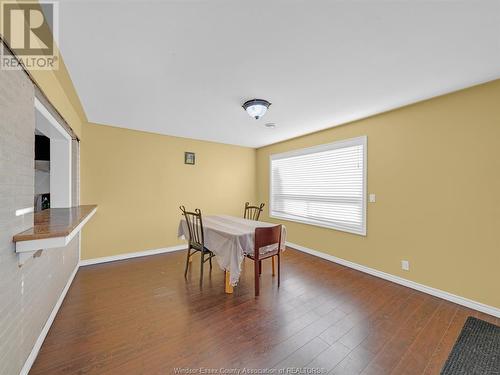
pixel 372 198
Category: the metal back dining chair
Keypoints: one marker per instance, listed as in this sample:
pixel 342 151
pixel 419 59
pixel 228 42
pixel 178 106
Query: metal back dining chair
pixel 253 212
pixel 267 245
pixel 196 239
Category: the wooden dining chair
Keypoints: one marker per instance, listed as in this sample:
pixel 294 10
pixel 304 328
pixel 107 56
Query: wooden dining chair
pixel 253 212
pixel 264 238
pixel 196 240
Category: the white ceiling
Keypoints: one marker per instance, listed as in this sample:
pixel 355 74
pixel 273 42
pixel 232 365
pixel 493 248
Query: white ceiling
pixel 185 67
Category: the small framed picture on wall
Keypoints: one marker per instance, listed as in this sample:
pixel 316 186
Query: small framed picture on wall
pixel 189 158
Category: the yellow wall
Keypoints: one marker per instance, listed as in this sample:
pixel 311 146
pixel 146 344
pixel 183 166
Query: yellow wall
pixel 139 179
pixel 435 169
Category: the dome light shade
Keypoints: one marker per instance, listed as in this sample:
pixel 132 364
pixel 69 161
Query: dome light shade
pixel 256 108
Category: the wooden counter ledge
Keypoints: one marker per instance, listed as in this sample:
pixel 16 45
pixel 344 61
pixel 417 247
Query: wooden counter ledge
pixel 55 222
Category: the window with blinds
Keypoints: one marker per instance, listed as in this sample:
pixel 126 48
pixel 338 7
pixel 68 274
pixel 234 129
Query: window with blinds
pixel 323 185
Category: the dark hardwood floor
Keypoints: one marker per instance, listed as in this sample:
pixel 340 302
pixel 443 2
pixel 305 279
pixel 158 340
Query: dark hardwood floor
pixel 141 316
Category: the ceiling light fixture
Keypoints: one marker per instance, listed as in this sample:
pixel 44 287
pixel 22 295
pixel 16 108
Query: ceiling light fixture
pixel 256 108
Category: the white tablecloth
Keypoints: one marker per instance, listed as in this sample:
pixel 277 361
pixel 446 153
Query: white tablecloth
pixel 229 238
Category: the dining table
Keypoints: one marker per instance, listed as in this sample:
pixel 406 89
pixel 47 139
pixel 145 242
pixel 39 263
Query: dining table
pixel 230 238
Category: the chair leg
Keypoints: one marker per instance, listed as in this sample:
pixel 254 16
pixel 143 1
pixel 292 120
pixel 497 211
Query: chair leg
pixel 260 267
pixel 202 259
pixel 257 272
pixel 187 262
pixel 274 266
pixel 210 260
pixel 279 270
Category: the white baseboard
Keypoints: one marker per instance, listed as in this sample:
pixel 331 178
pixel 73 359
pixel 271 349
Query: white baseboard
pixel 38 344
pixel 399 280
pixel 112 258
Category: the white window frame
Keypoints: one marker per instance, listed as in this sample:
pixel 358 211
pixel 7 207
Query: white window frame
pixel 363 140
pixel 60 155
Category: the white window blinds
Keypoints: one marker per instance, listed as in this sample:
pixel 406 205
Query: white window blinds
pixel 323 185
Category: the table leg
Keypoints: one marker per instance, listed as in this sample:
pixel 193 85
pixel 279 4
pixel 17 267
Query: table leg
pixel 229 287
pixel 274 267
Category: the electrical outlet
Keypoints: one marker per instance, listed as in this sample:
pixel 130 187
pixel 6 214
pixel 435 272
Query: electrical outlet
pixel 372 198
pixel 405 265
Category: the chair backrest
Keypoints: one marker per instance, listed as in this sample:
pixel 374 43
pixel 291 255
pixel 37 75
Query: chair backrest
pixel 195 227
pixel 253 212
pixel 267 236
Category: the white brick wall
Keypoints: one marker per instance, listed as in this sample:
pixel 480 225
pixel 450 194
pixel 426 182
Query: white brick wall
pixel 28 293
